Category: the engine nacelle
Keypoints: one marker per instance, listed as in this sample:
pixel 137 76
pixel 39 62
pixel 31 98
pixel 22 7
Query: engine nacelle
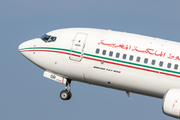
pixel 171 103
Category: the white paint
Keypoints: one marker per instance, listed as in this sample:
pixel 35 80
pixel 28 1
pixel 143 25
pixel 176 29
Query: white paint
pixel 123 74
pixel 55 77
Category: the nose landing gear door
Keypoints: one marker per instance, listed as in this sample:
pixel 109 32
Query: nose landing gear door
pixel 78 45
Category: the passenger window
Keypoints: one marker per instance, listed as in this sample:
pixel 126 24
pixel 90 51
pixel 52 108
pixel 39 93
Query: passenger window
pixel 169 65
pixel 117 55
pixel 138 59
pixel 110 53
pixel 97 51
pixel 160 63
pixel 176 66
pixel 131 57
pixel 145 60
pixel 104 52
pixel 153 62
pixel 124 56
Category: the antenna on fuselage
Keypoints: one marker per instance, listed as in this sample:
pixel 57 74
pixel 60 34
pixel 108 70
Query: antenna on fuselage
pixel 128 94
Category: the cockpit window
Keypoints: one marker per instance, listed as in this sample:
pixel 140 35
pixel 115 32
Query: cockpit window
pixel 48 38
pixel 43 36
pixel 52 39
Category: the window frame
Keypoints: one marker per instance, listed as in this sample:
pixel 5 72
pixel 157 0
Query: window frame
pixel 161 63
pixel 153 62
pixel 131 57
pixel 104 52
pixel 124 56
pixel 138 59
pixel 146 60
pixel 110 53
pixel 118 55
pixel 97 51
pixel 168 65
pixel 49 39
pixel 176 66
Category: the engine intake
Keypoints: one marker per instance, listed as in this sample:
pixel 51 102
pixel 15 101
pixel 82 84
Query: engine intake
pixel 171 103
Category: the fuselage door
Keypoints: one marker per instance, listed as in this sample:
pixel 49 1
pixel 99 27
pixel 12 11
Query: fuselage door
pixel 78 45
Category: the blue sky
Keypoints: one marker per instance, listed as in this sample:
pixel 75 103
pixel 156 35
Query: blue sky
pixel 25 94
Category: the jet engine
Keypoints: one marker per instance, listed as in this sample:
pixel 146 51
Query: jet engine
pixel 171 103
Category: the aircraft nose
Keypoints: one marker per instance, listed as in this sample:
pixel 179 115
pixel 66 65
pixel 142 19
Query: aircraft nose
pixel 24 47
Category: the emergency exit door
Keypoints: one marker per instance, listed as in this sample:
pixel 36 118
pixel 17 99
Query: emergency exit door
pixel 78 45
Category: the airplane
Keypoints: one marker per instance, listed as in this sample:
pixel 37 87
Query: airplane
pixel 119 60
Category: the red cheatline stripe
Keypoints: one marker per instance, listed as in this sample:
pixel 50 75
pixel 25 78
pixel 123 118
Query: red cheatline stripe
pixel 122 65
pixel 132 67
pixel 169 74
pixel 45 51
pixel 104 61
pixel 50 51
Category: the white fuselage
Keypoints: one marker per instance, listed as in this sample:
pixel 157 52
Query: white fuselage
pixel 118 60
